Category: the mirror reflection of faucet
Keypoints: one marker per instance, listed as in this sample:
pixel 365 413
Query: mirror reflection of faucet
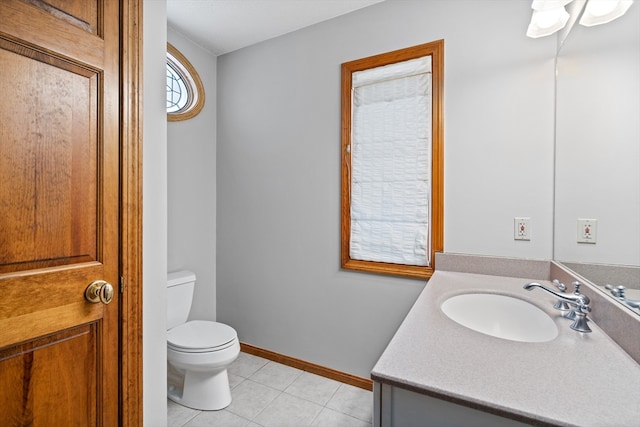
pixel 578 303
pixel 618 292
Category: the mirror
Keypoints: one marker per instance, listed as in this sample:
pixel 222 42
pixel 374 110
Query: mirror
pixel 597 173
pixel 614 280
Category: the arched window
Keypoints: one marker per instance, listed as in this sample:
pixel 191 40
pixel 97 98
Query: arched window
pixel 185 92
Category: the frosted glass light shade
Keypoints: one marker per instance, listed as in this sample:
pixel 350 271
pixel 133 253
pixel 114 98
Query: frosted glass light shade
pixel 602 11
pixel 546 22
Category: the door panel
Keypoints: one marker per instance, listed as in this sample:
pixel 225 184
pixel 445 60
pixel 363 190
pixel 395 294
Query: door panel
pixel 59 211
pixel 81 13
pixel 49 161
pixel 40 26
pixel 50 383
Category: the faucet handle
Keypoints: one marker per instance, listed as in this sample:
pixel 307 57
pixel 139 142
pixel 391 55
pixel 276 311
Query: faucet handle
pixel 584 309
pixel 559 285
pixel 560 305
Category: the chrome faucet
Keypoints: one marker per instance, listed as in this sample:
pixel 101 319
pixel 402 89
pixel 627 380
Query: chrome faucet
pixel 577 300
pixel 618 292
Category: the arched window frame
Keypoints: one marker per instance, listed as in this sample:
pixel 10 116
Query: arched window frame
pixel 195 88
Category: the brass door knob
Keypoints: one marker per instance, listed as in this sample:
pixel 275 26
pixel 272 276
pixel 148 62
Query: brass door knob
pixel 99 291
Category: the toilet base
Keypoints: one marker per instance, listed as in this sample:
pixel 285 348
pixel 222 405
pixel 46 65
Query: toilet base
pixel 204 391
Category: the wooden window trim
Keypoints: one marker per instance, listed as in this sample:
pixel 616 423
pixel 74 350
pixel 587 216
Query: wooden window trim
pixel 436 51
pixel 192 79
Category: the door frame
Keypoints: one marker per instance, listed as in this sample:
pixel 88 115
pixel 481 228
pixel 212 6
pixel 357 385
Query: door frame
pixel 130 318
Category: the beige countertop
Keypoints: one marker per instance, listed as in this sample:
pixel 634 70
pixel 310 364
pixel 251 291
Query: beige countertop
pixel 576 379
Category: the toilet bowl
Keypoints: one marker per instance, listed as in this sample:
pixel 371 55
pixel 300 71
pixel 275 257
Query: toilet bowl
pixel 198 351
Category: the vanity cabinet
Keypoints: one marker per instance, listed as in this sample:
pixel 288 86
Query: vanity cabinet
pixel 396 406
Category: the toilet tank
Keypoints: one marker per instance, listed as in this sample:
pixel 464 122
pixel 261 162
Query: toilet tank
pixel 180 286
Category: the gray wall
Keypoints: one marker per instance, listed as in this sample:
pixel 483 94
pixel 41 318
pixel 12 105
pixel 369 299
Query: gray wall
pixel 278 165
pixel 191 170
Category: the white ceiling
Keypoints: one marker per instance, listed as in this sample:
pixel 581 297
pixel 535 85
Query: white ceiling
pixel 222 26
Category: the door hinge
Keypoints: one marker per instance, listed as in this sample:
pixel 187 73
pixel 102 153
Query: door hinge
pixel 121 284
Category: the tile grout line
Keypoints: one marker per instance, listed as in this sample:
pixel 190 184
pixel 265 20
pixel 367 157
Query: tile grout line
pixel 253 419
pixel 192 418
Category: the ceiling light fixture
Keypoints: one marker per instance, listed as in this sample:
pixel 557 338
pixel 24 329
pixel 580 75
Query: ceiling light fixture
pixel 548 17
pixel 602 11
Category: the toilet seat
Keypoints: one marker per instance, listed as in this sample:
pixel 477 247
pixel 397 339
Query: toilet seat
pixel 201 336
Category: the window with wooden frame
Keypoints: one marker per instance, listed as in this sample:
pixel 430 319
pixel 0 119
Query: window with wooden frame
pixel 185 91
pixel 393 161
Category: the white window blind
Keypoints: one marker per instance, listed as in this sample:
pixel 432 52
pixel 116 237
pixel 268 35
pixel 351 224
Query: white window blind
pixel 391 163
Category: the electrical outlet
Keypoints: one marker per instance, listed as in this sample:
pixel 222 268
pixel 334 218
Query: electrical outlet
pixel 587 230
pixel 521 228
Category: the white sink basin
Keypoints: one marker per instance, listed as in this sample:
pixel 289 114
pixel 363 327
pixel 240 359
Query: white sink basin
pixel 501 316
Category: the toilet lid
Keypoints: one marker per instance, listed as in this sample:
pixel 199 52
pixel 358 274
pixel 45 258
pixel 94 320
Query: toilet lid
pixel 200 335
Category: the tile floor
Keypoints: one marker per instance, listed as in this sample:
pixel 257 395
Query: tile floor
pixel 270 394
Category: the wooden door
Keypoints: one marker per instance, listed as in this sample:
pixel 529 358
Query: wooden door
pixel 59 211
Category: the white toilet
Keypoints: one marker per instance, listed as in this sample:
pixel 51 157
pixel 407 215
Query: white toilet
pixel 198 351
